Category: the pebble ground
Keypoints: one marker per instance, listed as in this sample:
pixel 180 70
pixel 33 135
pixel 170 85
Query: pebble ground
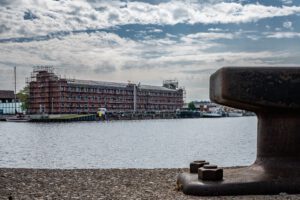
pixel 99 184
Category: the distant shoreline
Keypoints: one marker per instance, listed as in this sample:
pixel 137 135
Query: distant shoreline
pixel 111 116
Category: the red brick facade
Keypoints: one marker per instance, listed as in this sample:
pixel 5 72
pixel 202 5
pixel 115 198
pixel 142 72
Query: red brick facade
pixel 51 94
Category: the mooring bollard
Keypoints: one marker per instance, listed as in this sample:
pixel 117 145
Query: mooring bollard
pixel 273 93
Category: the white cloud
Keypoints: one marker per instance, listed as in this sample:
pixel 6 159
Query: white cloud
pixel 280 35
pixel 288 25
pixel 215 29
pixel 288 2
pixel 207 36
pixel 156 30
pixel 253 37
pixel 108 57
pixel 81 15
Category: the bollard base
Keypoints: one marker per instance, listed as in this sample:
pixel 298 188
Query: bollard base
pixel 252 180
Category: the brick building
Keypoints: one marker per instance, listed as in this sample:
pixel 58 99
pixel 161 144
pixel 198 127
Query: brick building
pixel 51 94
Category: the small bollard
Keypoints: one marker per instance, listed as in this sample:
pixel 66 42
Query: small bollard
pixel 194 166
pixel 274 95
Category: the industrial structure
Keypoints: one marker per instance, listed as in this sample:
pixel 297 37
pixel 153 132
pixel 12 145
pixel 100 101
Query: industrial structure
pixel 7 96
pixel 49 93
pixel 8 103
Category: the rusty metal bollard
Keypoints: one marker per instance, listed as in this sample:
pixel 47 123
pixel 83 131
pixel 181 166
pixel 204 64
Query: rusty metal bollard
pixel 273 93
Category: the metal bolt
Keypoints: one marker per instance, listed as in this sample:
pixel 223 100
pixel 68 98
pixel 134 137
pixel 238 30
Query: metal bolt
pixel 210 173
pixel 210 167
pixel 199 161
pixel 194 166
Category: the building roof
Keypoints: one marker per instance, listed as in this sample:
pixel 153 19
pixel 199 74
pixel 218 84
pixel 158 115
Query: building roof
pixel 96 83
pixel 7 94
pixel 116 85
pixel 152 87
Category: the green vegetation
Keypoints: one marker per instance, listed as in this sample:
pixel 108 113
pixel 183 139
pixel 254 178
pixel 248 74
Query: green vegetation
pixel 23 96
pixel 191 106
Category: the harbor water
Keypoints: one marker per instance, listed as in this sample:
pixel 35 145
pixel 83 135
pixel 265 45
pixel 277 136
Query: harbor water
pixel 128 144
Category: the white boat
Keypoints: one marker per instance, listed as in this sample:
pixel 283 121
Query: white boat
pixel 18 118
pixel 212 114
pixel 234 114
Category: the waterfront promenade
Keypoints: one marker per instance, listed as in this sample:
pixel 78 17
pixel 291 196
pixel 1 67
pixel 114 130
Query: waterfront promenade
pixel 100 184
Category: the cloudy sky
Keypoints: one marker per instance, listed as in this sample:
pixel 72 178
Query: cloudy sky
pixel 146 41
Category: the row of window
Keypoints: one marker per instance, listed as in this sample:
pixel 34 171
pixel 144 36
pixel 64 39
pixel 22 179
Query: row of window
pixel 77 105
pixel 110 107
pixel 119 91
pixel 105 98
pixel 111 91
pixel 47 94
pixel 112 100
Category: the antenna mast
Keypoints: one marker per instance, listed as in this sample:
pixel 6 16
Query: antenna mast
pixel 15 77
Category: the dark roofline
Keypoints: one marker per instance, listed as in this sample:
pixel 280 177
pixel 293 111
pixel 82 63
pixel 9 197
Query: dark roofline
pixel 7 94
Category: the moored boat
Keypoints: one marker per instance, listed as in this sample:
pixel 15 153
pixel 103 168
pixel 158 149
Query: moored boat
pixel 211 114
pixel 18 118
pixel 235 114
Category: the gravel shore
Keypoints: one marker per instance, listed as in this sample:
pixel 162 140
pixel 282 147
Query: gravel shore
pixel 99 184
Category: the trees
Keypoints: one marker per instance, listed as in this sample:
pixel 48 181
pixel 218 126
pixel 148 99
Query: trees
pixel 191 106
pixel 23 96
